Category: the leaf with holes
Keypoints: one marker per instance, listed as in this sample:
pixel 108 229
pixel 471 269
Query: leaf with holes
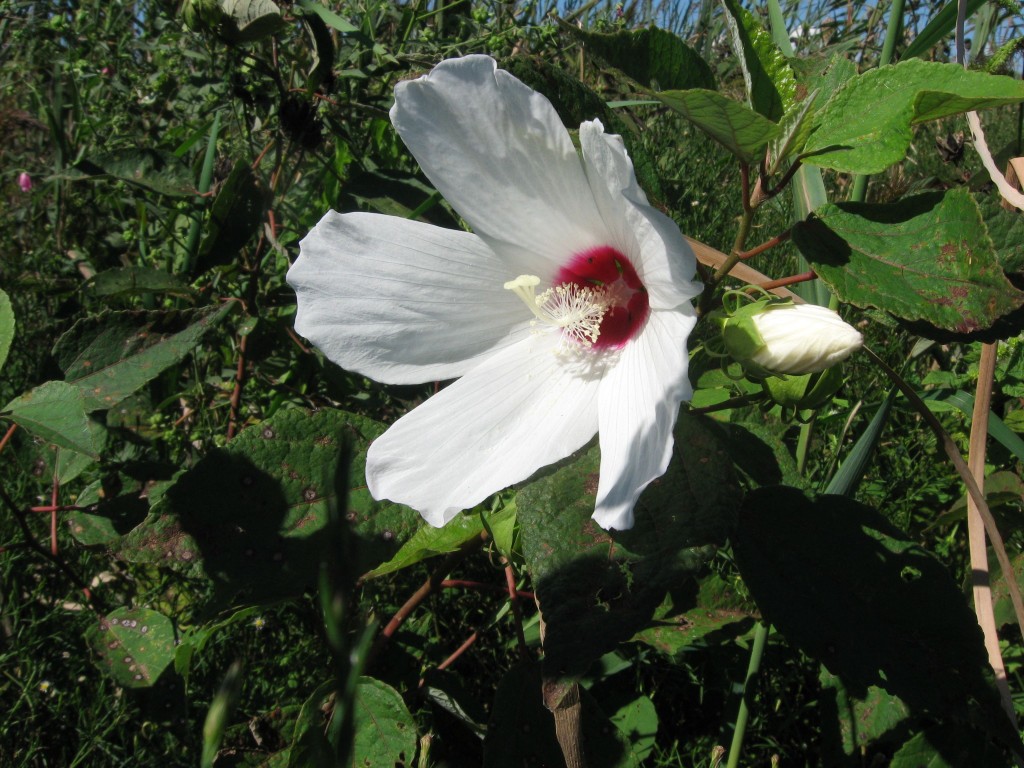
pixel 250 517
pixel 597 588
pixel 110 356
pixel 770 82
pixel 134 645
pixel 385 733
pixel 925 258
pixel 853 592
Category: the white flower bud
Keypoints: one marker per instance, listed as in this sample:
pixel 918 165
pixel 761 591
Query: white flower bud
pixel 802 338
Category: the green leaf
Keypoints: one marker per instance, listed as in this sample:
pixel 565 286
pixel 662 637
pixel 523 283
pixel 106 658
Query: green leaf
pixel 941 25
pixel 861 720
pixel 129 281
pixel 794 128
pixel 56 412
pixel 866 126
pixel 235 217
pixel 739 129
pixel 329 17
pixel 1006 228
pixel 113 354
pixel 6 327
pixel 653 57
pixel 925 258
pixel 133 645
pixel 108 522
pixel 430 542
pixel 769 79
pixel 385 733
pixel 251 517
pixel 852 591
pixel 845 481
pixel 949 745
pixel 244 21
pixel 144 168
pixel 597 588
pixel 322 51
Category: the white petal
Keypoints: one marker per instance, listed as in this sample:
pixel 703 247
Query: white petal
pixel 501 157
pixel 400 301
pixel 521 409
pixel 638 405
pixel 803 338
pixel 651 239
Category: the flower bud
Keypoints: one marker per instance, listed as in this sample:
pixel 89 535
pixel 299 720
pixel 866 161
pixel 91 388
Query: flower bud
pixel 788 338
pixel 25 182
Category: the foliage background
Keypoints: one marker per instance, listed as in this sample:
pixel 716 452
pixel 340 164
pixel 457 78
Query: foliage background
pixel 176 160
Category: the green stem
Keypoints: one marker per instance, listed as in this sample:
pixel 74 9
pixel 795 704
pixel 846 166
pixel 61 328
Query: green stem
pixel 804 443
pixel 892 34
pixel 736 748
pixel 205 181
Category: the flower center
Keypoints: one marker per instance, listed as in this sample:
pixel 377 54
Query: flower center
pixel 597 300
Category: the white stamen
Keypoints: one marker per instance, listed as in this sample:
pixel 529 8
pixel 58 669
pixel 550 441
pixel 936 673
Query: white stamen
pixel 575 310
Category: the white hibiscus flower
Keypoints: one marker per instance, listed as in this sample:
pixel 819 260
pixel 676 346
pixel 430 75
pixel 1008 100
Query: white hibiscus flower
pixel 564 314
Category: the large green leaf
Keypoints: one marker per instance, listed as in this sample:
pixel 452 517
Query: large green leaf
pixel 739 129
pixel 1006 228
pixel 133 645
pixel 430 542
pixel 653 57
pixel 866 126
pixel 145 168
pixel 949 746
pixel 925 258
pixel 872 605
pixel 852 725
pixel 771 85
pixel 250 517
pixel 113 354
pixel 385 733
pixel 130 281
pixel 244 21
pixel 597 588
pixel 56 412
pixel 6 327
pixel 234 218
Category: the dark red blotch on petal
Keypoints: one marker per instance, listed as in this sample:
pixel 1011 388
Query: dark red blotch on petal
pixel 607 268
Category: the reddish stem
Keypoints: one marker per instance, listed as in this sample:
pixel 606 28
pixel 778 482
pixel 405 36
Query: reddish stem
pixel 57 508
pixel 7 436
pixel 517 611
pixel 460 650
pixel 429 587
pixel 777 240
pixel 791 280
pixel 53 514
pixel 481 586
pixel 236 393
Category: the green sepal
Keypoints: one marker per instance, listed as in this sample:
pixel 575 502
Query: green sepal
pixel 812 390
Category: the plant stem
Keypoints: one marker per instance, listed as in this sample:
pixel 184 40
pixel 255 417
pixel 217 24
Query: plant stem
pixel 736 748
pixel 981 588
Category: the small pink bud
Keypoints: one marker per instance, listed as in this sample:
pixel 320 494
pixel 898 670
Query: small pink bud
pixel 25 182
pixel 106 71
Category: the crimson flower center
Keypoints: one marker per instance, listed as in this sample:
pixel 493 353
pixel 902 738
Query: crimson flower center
pixel 611 276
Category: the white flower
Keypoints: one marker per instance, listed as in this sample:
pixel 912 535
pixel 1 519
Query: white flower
pixel 564 314
pixel 802 338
